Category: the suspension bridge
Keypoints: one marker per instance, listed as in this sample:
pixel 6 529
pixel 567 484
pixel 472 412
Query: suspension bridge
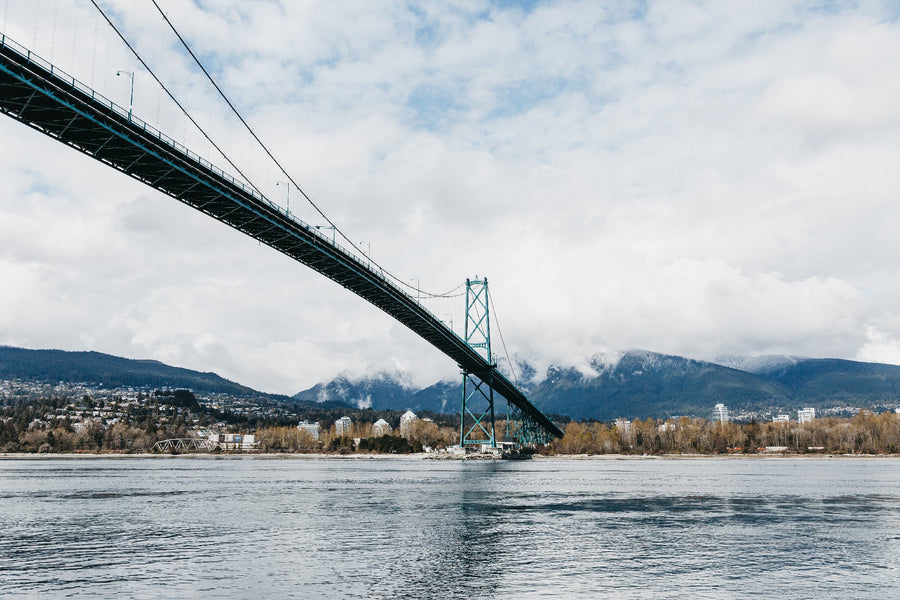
pixel 41 96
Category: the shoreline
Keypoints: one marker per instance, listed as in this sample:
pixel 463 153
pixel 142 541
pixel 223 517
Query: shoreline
pixel 423 456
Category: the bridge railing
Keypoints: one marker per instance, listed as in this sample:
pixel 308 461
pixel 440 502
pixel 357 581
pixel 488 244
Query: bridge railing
pixel 72 82
pixel 69 80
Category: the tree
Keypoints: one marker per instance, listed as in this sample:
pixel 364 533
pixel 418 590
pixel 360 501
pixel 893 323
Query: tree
pixel 386 444
pixel 424 432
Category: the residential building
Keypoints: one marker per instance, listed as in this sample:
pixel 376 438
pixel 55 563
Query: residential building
pixel 782 419
pixel 311 428
pixel 381 427
pixel 806 414
pixel 623 425
pixel 342 426
pixel 406 421
pixel 720 413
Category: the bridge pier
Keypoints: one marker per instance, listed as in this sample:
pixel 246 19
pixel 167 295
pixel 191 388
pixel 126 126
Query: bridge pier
pixel 476 423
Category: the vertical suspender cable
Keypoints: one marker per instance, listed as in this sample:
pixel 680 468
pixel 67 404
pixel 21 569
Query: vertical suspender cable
pixel 172 97
pixel 265 148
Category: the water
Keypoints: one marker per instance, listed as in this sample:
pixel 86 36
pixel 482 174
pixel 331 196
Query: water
pixel 413 528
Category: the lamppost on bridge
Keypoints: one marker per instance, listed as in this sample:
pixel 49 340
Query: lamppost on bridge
pixel 287 184
pixel 131 96
pixel 416 279
pixel 368 253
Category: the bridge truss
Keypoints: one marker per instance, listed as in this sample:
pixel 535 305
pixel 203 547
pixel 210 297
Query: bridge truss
pixel 48 100
pixel 184 445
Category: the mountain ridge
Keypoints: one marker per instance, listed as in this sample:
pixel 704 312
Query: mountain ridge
pixel 643 384
pixel 97 368
pixel 632 384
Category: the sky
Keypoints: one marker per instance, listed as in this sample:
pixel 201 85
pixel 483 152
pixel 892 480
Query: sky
pixel 694 178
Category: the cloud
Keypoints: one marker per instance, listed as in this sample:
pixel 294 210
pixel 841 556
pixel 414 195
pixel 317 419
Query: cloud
pixel 699 178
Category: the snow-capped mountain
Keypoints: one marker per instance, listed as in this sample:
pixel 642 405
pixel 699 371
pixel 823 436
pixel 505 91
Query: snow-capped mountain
pixel 767 363
pixel 642 384
pixel 381 391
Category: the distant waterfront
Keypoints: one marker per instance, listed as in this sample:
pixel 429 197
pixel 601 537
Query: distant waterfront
pixel 428 457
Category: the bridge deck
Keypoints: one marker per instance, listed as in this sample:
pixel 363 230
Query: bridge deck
pixel 35 93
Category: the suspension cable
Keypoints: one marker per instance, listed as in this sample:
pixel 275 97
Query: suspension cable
pixel 172 97
pixel 512 367
pixel 454 293
pixel 284 171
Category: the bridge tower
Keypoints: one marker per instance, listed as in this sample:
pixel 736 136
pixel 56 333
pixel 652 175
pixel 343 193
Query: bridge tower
pixel 476 423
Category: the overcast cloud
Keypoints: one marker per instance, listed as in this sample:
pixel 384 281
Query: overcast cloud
pixel 697 178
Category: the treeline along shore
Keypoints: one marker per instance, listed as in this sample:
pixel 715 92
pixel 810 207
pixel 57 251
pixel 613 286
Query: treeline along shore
pixel 866 433
pixel 27 427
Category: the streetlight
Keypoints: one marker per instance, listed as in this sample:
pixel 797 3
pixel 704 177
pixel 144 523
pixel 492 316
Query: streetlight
pixel 416 279
pixel 131 97
pixel 288 185
pixel 369 253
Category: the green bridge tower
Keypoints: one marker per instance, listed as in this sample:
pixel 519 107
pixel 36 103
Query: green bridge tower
pixel 476 423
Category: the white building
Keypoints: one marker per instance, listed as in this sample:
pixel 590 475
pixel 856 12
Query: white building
pixel 342 426
pixel 623 425
pixel 782 419
pixel 381 427
pixel 503 447
pixel 234 441
pixel 406 421
pixel 720 413
pixel 311 428
pixel 806 414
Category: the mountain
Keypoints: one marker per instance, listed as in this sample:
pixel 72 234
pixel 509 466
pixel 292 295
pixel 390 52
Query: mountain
pixel 759 365
pixel 52 366
pixel 830 381
pixel 645 384
pixel 634 384
pixel 386 392
pixel 442 397
pixel 826 381
pixel 379 392
pixel 641 384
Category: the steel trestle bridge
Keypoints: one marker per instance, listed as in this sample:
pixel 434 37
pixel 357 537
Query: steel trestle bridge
pixel 41 96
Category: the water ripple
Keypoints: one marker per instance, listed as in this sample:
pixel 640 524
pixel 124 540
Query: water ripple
pixel 425 529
